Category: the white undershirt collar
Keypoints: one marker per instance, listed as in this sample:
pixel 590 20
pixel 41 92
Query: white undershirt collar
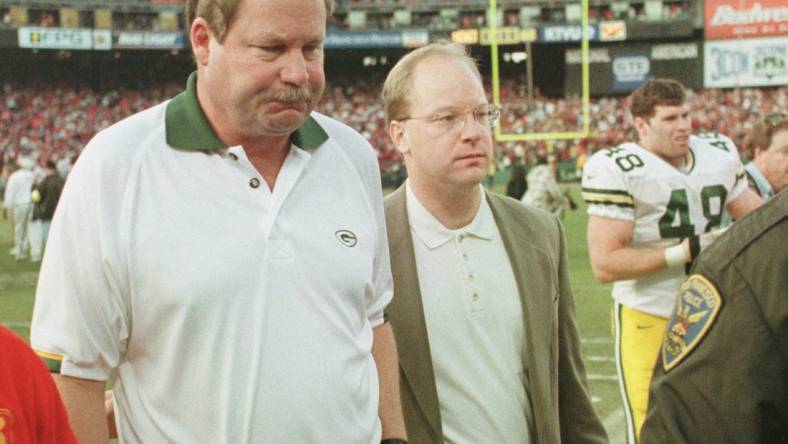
pixel 434 234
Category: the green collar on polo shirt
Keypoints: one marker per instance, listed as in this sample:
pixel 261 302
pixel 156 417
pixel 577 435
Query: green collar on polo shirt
pixel 188 128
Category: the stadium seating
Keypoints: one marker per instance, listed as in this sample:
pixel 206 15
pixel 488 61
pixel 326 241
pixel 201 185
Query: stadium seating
pixel 53 119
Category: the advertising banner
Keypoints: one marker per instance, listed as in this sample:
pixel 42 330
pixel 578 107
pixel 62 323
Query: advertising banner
pixel 566 33
pixel 55 38
pixel 676 27
pixel 102 39
pixel 376 39
pixel 465 36
pixel 508 35
pixel 728 19
pixel 675 51
pixel 620 68
pixel 745 62
pixel 62 38
pixel 630 70
pixel 148 40
pixel 612 31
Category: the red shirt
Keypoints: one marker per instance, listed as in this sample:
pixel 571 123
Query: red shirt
pixel 30 407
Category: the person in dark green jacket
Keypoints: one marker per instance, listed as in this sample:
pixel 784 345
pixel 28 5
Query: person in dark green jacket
pixel 722 376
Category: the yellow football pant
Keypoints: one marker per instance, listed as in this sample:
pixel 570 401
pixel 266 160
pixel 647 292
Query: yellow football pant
pixel 638 344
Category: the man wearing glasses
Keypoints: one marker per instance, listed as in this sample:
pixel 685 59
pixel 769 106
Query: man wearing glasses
pixel 483 313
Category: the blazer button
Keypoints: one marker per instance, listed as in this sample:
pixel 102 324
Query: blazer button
pixel 254 182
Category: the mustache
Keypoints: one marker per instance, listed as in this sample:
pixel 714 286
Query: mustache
pixel 289 95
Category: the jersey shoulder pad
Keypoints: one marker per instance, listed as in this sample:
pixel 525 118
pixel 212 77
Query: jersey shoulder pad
pixel 601 164
pixel 713 150
pixel 720 142
pixel 604 181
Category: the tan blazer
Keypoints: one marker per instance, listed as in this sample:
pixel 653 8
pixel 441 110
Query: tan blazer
pixel 555 373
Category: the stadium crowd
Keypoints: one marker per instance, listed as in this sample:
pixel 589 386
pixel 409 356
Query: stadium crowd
pixel 55 120
pixel 471 15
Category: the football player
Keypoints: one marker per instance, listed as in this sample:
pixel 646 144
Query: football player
pixel 653 206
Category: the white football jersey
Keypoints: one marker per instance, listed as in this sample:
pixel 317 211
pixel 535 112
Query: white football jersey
pixel 667 204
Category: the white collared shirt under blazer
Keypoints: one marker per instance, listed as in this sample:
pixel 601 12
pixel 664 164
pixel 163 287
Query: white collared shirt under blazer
pixel 474 319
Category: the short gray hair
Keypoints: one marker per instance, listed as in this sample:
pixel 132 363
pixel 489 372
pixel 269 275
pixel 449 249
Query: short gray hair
pixel 219 14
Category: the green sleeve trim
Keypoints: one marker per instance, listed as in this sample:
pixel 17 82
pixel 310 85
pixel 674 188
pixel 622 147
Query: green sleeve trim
pixel 606 191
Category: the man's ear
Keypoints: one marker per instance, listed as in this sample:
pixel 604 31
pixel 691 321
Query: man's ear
pixel 398 136
pixel 200 36
pixel 757 152
pixel 641 125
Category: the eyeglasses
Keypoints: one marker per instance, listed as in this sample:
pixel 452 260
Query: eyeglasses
pixel 486 115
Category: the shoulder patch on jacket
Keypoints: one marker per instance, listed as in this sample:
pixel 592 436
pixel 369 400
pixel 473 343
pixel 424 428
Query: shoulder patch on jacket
pixel 697 305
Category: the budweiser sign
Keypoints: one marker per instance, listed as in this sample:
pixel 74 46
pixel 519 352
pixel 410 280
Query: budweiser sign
pixel 727 19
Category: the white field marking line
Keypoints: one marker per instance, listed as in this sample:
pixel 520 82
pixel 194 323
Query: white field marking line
pixel 596 340
pixel 615 424
pixel 599 377
pixel 598 358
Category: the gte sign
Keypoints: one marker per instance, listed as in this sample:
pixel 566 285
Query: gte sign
pixel 631 68
pixel 727 19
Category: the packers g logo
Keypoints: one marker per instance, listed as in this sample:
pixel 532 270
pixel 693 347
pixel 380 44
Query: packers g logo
pixel 697 305
pixel 347 238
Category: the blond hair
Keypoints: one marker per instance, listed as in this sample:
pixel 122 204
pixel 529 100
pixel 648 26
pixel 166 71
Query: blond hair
pixel 400 79
pixel 219 14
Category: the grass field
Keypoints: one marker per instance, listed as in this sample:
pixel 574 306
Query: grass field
pixel 18 281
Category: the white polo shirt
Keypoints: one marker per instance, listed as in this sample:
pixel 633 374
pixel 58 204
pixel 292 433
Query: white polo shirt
pixel 223 312
pixel 474 319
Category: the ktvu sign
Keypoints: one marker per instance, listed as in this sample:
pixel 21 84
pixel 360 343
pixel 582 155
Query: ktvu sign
pixel 630 70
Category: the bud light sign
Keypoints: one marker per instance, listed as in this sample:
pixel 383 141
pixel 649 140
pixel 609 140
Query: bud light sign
pixel 630 70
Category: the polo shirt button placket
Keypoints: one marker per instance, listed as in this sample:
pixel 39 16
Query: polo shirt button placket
pixel 254 182
pixel 233 156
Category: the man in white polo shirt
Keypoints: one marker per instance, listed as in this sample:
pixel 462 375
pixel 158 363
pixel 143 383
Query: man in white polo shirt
pixel 221 257
pixel 483 313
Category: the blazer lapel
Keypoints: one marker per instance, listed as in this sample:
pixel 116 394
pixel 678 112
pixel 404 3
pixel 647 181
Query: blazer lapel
pixel 407 312
pixel 533 272
pixel 531 267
